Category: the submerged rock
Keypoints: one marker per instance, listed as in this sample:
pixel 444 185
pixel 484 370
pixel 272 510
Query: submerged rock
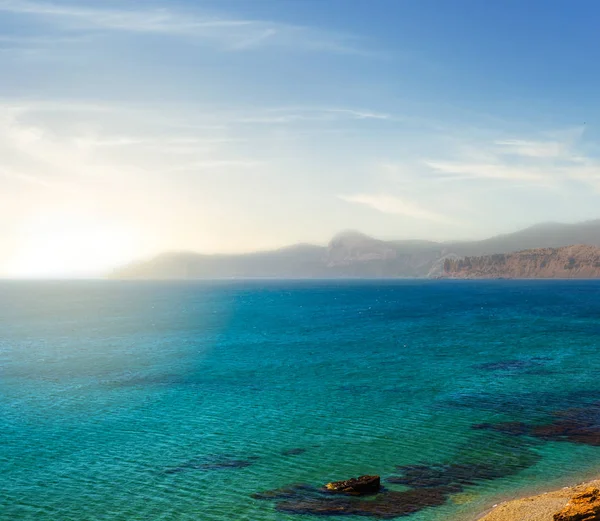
pixel 585 506
pixel 577 425
pixel 212 463
pixel 510 365
pixel 360 486
pixel 453 477
pixel 293 452
pixel 289 492
pixel 514 428
pixel 386 505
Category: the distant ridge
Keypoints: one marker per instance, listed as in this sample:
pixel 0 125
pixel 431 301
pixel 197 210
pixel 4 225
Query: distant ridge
pixel 354 254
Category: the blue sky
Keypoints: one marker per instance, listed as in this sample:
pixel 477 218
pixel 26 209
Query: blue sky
pixel 128 128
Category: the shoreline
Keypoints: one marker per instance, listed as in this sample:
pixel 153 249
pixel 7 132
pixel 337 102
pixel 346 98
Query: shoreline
pixel 537 507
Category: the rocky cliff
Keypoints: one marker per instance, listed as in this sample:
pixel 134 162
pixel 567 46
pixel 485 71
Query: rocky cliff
pixel 571 262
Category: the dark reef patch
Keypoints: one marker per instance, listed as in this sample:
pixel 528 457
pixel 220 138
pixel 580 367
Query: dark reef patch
pixel 357 389
pixel 290 492
pixel 386 505
pixel 514 428
pixel 455 477
pixel 428 484
pixel 212 463
pixel 534 405
pixel 143 380
pixel 577 425
pixel 528 365
pixel 503 365
pixel 293 452
pixel 304 499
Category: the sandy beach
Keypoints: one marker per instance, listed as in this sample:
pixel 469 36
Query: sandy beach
pixel 541 507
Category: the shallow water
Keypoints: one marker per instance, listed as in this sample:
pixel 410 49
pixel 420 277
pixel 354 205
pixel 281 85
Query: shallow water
pixel 175 401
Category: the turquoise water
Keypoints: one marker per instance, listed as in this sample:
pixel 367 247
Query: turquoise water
pixel 176 401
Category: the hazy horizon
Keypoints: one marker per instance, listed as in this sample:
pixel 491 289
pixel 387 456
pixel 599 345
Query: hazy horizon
pixel 227 126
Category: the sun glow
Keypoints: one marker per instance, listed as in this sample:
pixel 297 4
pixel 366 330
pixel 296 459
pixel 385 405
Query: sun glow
pixel 63 245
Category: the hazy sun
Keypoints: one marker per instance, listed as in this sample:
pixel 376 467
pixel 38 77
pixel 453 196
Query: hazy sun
pixel 62 245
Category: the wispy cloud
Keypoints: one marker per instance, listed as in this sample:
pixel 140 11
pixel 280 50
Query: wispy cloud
pixel 55 145
pixel 234 34
pixel 541 162
pixel 487 170
pixel 218 164
pixel 553 145
pixel 539 149
pixel 394 205
pixel 282 115
pixel 6 40
pixel 358 114
pixel 21 177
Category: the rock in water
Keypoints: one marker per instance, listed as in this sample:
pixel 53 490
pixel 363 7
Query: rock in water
pixel 583 507
pixel 360 486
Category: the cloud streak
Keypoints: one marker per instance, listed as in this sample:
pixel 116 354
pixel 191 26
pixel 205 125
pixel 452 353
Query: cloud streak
pixel 537 149
pixel 487 170
pixel 395 206
pixel 228 33
pixel 539 162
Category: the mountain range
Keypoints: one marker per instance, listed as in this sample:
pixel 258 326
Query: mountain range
pixel 354 254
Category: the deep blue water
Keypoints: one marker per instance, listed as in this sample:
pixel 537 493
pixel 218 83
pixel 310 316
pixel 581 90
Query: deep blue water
pixel 176 401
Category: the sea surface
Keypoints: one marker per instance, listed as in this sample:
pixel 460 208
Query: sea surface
pixel 128 401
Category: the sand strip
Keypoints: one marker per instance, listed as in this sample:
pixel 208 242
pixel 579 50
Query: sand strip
pixel 536 508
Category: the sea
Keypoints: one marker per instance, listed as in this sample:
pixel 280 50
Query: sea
pixel 238 400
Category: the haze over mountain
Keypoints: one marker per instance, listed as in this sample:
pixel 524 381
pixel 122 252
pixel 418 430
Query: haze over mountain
pixel 129 128
pixel 353 254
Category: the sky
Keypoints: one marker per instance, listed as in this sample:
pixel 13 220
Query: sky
pixel 129 128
